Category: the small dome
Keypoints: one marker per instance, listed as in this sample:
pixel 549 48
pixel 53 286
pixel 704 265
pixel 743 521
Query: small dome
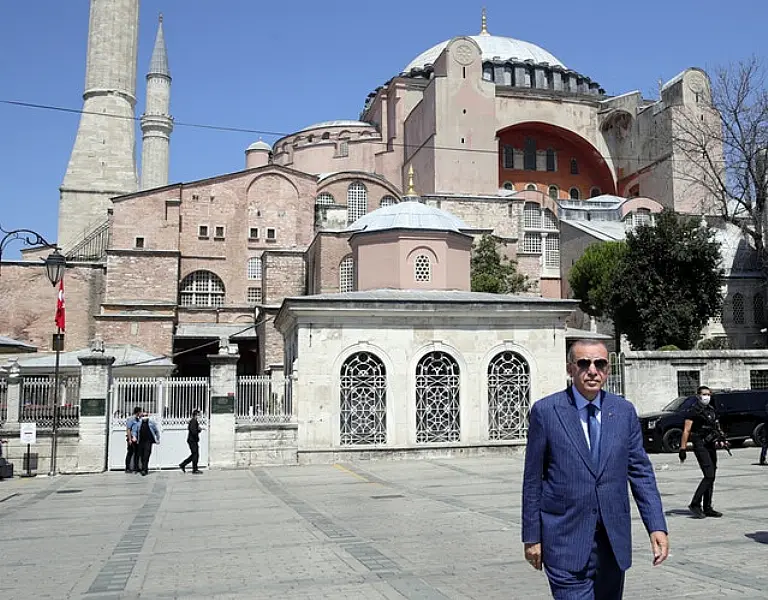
pixel 408 215
pixel 491 47
pixel 259 146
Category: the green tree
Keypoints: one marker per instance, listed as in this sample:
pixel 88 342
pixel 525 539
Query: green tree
pixel 493 273
pixel 668 284
pixel 591 277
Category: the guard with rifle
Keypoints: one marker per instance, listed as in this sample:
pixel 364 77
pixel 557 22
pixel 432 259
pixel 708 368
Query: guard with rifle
pixel 704 431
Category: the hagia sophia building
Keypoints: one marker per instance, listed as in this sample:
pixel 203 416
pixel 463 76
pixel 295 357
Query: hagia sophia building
pixel 487 134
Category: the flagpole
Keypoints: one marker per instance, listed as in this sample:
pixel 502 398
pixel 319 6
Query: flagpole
pixel 57 342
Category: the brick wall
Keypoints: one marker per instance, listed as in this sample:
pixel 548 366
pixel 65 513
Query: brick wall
pixel 29 303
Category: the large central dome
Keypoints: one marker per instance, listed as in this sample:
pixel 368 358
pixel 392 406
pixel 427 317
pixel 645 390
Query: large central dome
pixel 492 47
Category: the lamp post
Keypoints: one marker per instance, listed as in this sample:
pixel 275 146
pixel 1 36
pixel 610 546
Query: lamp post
pixel 55 263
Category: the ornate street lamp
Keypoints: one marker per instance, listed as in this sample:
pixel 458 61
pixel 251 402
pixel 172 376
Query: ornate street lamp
pixel 55 264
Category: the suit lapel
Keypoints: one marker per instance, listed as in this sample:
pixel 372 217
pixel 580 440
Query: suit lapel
pixel 569 417
pixel 607 430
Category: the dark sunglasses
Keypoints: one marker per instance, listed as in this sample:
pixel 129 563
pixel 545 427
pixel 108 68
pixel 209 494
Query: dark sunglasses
pixel 584 363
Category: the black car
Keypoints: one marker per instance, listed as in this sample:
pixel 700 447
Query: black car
pixel 742 415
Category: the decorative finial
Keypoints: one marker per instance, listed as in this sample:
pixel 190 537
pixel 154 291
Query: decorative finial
pixel 484 23
pixel 160 18
pixel 411 190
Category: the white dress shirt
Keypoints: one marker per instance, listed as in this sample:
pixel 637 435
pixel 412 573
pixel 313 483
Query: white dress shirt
pixel 581 404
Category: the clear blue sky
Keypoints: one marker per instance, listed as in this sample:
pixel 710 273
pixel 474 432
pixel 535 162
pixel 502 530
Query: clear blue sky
pixel 279 66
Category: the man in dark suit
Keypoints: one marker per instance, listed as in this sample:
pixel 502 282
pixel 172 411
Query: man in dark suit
pixel 584 446
pixel 193 441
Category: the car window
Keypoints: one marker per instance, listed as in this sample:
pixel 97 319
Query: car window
pixel 677 404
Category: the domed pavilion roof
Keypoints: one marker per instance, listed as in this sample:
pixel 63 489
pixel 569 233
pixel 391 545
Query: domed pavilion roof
pixel 409 214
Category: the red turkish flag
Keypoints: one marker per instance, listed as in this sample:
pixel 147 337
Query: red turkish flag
pixel 60 314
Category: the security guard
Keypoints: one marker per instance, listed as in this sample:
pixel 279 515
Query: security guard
pixel 703 429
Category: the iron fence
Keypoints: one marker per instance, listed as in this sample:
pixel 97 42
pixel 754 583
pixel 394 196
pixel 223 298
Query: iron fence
pixel 263 399
pixel 37 401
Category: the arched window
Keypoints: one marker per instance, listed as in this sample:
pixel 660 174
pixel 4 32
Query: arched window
pixel 509 186
pixel 551 162
pixel 575 194
pixel 422 268
pixel 529 154
pixel 531 216
pixel 548 219
pixel 509 396
pixel 758 309
pixel 326 136
pixel 437 399
pixel 363 418
pixel 574 167
pixel 738 309
pixel 357 201
pixel 201 288
pixel 324 199
pixel 347 274
pixel 531 187
pixel 553 192
pixel 642 217
pixel 594 192
pixel 388 201
pixel 254 268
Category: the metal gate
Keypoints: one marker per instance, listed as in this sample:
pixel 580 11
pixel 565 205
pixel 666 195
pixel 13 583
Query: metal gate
pixel 170 403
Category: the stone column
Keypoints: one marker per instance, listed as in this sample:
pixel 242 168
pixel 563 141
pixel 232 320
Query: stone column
pixel 221 429
pixel 13 396
pixel 95 375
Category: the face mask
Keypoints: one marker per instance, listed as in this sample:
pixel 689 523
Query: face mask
pixel 704 400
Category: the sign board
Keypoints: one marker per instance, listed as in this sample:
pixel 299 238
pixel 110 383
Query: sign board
pixel 28 433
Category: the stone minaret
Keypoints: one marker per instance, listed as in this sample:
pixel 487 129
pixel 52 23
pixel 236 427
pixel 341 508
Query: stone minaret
pixel 156 123
pixel 103 160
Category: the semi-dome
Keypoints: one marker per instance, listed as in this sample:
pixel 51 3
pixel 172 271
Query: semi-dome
pixel 408 214
pixel 492 47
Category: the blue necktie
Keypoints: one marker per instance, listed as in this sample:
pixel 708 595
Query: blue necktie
pixel 593 429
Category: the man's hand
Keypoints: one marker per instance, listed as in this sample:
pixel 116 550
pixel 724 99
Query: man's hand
pixel 533 555
pixel 659 547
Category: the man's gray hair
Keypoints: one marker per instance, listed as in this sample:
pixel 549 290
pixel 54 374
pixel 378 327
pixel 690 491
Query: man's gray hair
pixel 582 342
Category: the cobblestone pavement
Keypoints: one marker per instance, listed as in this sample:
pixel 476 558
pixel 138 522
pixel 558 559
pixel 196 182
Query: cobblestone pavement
pixel 424 530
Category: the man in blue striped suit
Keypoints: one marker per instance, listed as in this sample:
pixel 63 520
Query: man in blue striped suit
pixel 584 446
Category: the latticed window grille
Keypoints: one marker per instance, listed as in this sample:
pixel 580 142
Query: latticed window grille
pixel 343 148
pixel 549 220
pixel 574 193
pixel 509 157
pixel 758 379
pixel 531 216
pixel 509 396
pixel 553 192
pixel 642 217
pixel 532 243
pixel 363 418
pixel 422 268
pixel 758 309
pixel 325 199
pixel 388 201
pixel 552 247
pixel 687 382
pixel 202 288
pixel 357 201
pixel 347 274
pixel 254 268
pixel 254 296
pixel 738 309
pixel 437 399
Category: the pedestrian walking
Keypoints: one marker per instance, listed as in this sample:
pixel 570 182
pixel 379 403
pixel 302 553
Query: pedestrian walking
pixel 193 441
pixel 132 459
pixel 147 434
pixel 584 447
pixel 703 429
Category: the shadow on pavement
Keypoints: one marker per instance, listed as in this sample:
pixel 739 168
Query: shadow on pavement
pixel 761 537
